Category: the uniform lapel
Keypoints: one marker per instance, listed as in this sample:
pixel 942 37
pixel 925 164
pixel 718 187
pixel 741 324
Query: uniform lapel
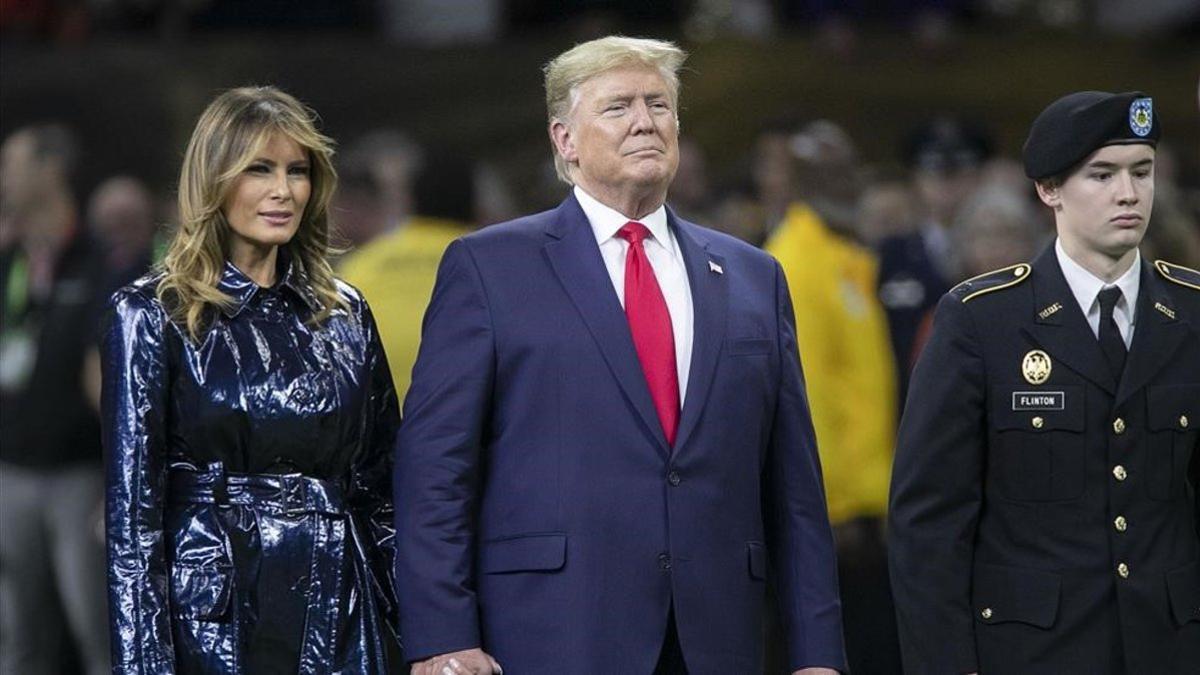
pixel 710 298
pixel 1064 333
pixel 1156 336
pixel 575 259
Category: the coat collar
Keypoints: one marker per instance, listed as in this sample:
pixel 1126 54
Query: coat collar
pixel 1059 327
pixel 242 288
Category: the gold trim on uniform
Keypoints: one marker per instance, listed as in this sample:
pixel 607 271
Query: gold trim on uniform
pixel 1036 366
pixel 1172 272
pixel 1018 272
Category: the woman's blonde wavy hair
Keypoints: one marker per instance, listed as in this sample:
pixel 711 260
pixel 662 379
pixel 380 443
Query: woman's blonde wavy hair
pixel 227 138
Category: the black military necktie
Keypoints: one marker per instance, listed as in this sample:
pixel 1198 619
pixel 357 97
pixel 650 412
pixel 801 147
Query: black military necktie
pixel 1110 335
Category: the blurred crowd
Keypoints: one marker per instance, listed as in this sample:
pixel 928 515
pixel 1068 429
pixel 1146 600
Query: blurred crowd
pixel 456 22
pixel 868 249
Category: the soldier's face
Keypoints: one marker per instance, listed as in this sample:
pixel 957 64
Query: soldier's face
pixel 1104 205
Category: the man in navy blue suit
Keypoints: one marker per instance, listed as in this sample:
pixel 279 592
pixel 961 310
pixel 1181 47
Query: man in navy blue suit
pixel 606 448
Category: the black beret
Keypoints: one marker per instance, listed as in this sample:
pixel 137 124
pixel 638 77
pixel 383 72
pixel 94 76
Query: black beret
pixel 1078 124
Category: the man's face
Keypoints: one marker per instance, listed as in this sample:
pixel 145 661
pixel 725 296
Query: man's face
pixel 1104 205
pixel 623 135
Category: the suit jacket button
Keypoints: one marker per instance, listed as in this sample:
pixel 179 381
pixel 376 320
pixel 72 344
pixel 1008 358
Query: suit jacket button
pixel 1121 524
pixel 986 613
pixel 1119 472
pixel 1118 426
pixel 674 479
pixel 664 561
pixel 1123 570
pixel 1038 422
pixel 1183 421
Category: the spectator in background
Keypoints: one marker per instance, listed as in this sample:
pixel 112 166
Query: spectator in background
pixel 381 162
pixel 916 269
pixel 51 478
pixel 120 217
pixel 887 208
pixel 842 333
pixel 771 169
pixel 358 205
pixel 396 271
pixel 691 193
pixel 996 228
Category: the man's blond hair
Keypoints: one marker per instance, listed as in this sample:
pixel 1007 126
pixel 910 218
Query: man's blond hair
pixel 584 61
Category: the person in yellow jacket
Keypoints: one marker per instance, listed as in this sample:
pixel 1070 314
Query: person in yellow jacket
pixel 850 374
pixel 396 271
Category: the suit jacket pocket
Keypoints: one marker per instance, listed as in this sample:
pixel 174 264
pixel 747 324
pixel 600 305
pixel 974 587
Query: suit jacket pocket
pixel 748 346
pixel 1183 587
pixel 1012 594
pixel 524 553
pixel 1173 423
pixel 201 592
pixel 1040 451
pixel 757 555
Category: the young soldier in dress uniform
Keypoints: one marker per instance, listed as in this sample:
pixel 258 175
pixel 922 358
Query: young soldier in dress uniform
pixel 1044 503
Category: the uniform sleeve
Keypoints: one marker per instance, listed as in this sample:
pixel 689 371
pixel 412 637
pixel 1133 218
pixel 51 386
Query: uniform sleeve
pixel 134 405
pixel 438 463
pixel 799 537
pixel 937 490
pixel 371 495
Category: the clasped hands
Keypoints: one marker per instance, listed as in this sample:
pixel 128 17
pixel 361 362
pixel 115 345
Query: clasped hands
pixel 478 662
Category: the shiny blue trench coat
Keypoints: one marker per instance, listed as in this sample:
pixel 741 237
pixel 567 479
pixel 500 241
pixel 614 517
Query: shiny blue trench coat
pixel 249 513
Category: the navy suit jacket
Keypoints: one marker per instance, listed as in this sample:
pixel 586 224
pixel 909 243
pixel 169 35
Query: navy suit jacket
pixel 540 512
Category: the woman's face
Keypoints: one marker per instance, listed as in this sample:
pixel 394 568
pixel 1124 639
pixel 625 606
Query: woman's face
pixel 267 200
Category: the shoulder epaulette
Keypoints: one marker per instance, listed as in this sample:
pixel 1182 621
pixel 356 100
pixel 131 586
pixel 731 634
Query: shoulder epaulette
pixel 1184 276
pixel 991 281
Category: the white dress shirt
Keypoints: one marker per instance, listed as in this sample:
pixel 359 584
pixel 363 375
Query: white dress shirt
pixel 1086 288
pixel 662 250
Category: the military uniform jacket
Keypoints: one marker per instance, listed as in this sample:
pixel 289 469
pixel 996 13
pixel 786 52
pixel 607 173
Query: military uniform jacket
pixel 1050 527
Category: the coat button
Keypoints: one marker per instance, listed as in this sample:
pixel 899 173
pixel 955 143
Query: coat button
pixel 674 479
pixel 1119 472
pixel 1038 422
pixel 986 613
pixel 1123 570
pixel 664 561
pixel 1118 426
pixel 1183 421
pixel 1120 524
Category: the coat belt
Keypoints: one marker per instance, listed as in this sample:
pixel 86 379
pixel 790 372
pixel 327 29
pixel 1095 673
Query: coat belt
pixel 290 494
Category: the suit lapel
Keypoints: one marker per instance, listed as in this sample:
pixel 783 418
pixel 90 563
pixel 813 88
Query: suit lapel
pixel 710 297
pixel 575 259
pixel 1156 336
pixel 1064 334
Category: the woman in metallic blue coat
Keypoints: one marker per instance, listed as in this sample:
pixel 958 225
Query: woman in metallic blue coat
pixel 248 422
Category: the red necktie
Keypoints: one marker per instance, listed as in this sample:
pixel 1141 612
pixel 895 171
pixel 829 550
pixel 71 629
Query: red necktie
pixel 650 324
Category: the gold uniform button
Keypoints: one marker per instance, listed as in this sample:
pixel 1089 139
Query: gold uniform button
pixel 1121 524
pixel 1119 425
pixel 1119 472
pixel 1123 570
pixel 1183 421
pixel 1038 422
pixel 986 613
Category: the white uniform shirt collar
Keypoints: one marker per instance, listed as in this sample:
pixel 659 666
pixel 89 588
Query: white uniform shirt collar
pixel 605 221
pixel 1086 288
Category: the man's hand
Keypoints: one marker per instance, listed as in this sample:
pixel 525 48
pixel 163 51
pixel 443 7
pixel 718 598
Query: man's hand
pixel 808 671
pixel 466 662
